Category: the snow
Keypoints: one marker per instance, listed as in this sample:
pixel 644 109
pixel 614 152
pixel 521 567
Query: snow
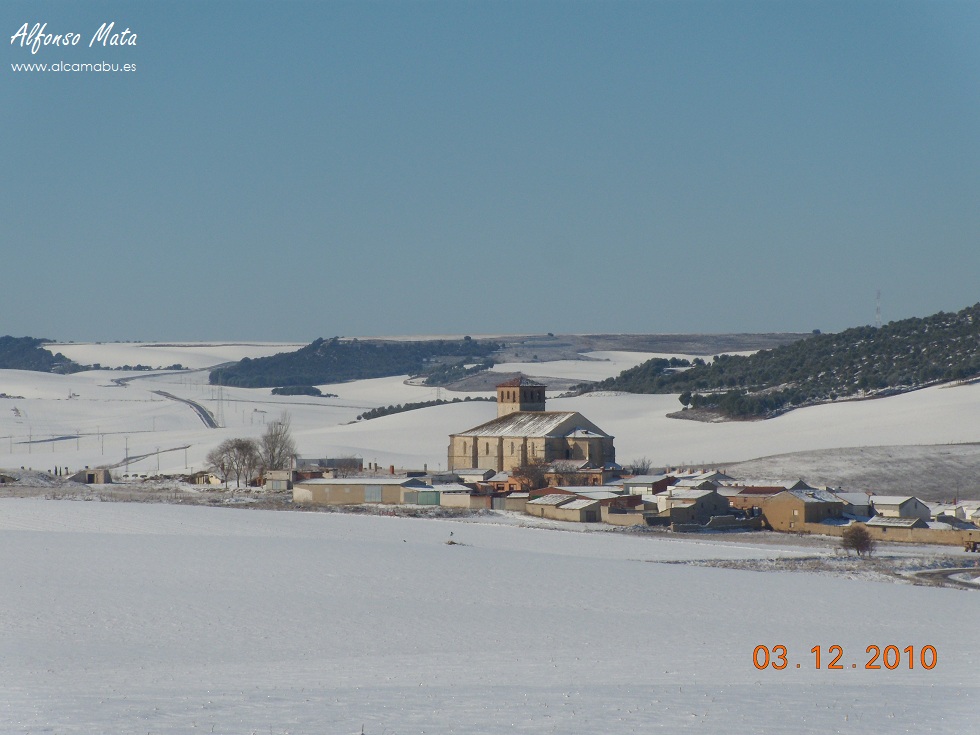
pixel 169 619
pixel 94 426
pixel 597 365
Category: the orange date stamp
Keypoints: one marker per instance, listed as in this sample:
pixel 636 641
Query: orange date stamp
pixel 832 658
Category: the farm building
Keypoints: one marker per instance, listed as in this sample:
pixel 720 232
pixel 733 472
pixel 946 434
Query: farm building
pixel 355 490
pixel 790 509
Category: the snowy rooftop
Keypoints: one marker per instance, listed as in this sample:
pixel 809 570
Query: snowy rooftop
pixel 814 496
pixel 854 498
pixel 890 499
pixel 643 479
pixel 526 423
pixel 598 494
pixel 551 500
pixel 882 521
pixel 683 493
pixel 406 481
pixel 579 504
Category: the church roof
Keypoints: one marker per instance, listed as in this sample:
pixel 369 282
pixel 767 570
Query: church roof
pixel 534 423
pixel 520 382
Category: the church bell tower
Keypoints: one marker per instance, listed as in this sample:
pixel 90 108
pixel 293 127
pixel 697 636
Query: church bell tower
pixel 519 394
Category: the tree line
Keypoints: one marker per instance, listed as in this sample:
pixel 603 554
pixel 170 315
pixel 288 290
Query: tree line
pixel 861 361
pixel 27 353
pixel 335 360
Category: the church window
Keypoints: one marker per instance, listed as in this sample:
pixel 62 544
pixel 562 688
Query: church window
pixel 512 447
pixel 488 447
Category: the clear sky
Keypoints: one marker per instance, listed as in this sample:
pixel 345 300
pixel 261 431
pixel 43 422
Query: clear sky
pixel 290 170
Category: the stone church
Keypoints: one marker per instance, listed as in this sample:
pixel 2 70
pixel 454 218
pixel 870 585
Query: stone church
pixel 524 432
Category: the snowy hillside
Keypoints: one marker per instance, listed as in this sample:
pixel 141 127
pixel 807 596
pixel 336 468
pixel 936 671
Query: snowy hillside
pixel 93 418
pixel 164 619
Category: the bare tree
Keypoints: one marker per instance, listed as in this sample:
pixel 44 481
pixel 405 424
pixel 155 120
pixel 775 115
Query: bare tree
pixel 348 465
pixel 530 474
pixel 641 466
pixel 857 537
pixel 238 457
pixel 219 461
pixel 566 472
pixel 276 446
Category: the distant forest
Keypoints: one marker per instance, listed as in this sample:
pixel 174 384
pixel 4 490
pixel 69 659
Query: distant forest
pixel 335 361
pixel 860 362
pixel 375 413
pixel 27 353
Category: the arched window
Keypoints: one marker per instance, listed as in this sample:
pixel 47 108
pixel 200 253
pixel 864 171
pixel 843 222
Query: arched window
pixel 464 447
pixel 488 447
pixel 512 447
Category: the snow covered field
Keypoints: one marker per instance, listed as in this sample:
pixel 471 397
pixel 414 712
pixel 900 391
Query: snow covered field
pixel 87 419
pixel 169 619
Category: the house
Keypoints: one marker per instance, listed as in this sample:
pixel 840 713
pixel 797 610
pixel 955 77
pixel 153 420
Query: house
pixel 856 504
pixel 607 497
pixel 579 509
pixel 564 472
pixel 455 495
pixel 512 501
pixel 204 478
pixel 949 510
pixel 474 475
pixel 504 482
pixel 277 480
pixel 525 433
pixel 691 505
pixel 647 484
pixel 790 509
pixel 900 506
pixel 748 497
pixel 355 490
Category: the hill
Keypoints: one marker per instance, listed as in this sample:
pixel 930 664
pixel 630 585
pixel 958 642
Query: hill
pixel 335 361
pixel 859 362
pixel 27 353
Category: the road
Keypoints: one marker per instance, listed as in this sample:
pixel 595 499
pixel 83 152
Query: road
pixel 201 411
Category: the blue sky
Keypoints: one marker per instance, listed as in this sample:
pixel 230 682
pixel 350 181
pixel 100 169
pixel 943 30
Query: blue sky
pixel 290 170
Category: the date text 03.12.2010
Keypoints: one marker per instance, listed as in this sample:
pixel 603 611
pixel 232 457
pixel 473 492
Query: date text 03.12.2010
pixel 832 658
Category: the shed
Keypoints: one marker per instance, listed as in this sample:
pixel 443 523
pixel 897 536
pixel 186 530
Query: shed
pixel 98 476
pixel 355 490
pixel 565 507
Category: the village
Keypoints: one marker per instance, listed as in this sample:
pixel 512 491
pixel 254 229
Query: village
pixel 560 466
